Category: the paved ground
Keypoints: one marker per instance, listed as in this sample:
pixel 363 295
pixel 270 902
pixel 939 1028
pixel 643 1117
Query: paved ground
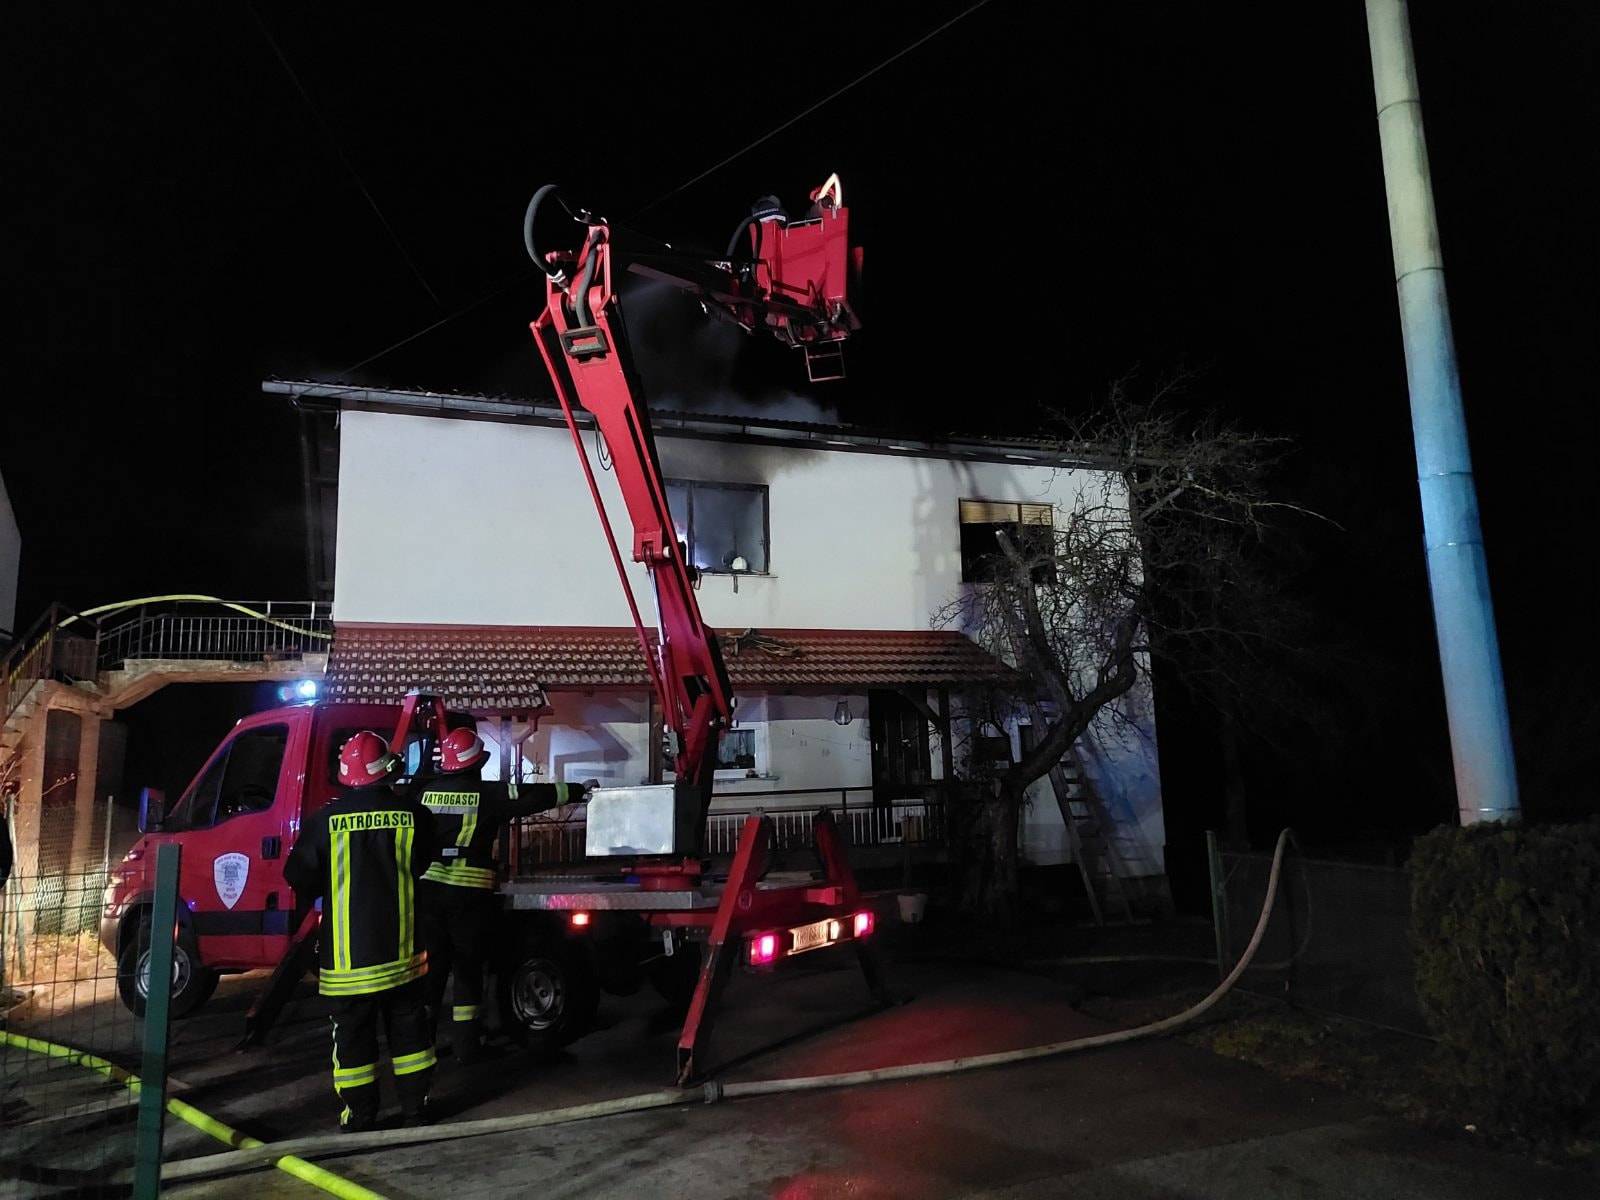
pixel 1151 1119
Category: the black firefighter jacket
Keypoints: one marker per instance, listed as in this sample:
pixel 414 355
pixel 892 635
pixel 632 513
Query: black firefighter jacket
pixel 468 813
pixel 362 854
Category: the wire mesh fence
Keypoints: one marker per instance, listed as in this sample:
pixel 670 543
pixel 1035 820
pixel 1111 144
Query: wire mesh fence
pixel 1338 940
pixel 63 1125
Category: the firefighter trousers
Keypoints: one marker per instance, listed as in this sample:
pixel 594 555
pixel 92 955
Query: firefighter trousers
pixel 456 926
pixel 355 1050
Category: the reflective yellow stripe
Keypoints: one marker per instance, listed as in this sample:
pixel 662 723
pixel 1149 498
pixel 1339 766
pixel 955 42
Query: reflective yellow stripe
pixel 410 1064
pixel 363 980
pixel 339 869
pixel 404 885
pixel 459 874
pixel 355 1076
pixel 469 825
pixel 464 1012
pixel 561 793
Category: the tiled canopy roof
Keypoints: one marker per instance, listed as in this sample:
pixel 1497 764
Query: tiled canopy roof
pixel 493 668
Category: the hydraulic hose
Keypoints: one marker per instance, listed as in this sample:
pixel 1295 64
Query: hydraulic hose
pixel 532 215
pixel 319 1177
pixel 710 1093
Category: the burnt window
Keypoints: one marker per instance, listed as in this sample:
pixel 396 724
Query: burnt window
pixel 723 524
pixel 736 751
pixel 1031 528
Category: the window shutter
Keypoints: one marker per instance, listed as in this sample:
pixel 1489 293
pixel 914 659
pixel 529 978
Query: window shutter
pixel 1037 514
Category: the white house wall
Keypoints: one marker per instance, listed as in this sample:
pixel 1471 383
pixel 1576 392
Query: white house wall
pixel 800 747
pixel 858 541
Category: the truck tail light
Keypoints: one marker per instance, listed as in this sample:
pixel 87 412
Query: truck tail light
pixel 864 921
pixel 763 949
pixel 579 920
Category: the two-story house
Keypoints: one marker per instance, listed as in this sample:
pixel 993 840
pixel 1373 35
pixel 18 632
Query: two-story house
pixel 467 558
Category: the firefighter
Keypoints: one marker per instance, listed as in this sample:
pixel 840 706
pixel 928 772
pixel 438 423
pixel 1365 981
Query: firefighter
pixel 362 854
pixel 459 898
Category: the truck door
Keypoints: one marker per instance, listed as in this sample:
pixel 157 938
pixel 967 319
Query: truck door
pixel 234 823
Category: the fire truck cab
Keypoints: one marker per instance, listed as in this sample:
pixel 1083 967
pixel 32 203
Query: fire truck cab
pixel 236 822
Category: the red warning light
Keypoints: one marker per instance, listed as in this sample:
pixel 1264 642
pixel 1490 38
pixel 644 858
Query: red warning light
pixel 863 923
pixel 763 948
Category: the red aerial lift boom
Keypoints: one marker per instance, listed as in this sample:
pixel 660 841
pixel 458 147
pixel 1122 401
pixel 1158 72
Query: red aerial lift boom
pixel 794 279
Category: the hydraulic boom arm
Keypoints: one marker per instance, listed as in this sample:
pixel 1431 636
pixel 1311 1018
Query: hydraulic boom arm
pixel 792 278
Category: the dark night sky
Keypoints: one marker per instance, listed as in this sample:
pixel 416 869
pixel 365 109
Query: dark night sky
pixel 1048 196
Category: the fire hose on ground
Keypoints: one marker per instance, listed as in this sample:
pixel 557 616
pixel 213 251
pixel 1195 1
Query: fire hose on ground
pixel 249 1158
pixel 319 1177
pixel 251 1153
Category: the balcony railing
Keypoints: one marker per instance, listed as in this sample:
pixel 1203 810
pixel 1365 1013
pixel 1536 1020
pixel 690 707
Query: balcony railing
pixel 536 843
pixel 271 630
pixel 70 647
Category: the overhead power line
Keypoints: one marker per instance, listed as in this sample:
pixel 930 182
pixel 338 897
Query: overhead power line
pixel 338 150
pixel 665 196
pixel 806 112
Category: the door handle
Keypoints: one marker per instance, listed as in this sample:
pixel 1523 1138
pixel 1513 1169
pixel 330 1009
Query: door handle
pixel 271 847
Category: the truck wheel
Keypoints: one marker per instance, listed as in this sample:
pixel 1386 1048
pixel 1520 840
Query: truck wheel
pixel 192 983
pixel 674 977
pixel 548 995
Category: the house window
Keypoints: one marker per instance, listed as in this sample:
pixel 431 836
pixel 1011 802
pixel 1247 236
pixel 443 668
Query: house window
pixel 722 524
pixel 1031 528
pixel 737 750
pixel 740 752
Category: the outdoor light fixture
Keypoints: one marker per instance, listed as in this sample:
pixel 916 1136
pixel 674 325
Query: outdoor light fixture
pixel 841 713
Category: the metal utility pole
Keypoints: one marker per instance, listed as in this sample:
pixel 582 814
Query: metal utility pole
pixel 1458 573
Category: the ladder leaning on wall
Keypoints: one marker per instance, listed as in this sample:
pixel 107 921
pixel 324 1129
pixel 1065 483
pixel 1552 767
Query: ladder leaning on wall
pixel 1117 870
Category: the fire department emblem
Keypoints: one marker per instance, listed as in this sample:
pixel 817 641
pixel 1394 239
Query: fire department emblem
pixel 230 871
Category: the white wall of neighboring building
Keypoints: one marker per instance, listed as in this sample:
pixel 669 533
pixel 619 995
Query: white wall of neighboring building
pixel 10 562
pixel 858 541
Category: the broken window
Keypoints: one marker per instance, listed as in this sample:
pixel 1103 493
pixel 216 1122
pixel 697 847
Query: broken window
pixel 724 525
pixel 1031 528
pixel 737 750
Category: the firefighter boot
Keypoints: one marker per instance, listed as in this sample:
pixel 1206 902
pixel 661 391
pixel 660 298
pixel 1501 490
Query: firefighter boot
pixel 465 1039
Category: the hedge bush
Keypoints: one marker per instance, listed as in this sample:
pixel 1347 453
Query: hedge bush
pixel 1506 929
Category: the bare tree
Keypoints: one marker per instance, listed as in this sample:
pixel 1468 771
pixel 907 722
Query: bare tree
pixel 1156 554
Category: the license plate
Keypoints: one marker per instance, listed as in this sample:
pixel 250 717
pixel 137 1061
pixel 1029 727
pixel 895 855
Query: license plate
pixel 814 935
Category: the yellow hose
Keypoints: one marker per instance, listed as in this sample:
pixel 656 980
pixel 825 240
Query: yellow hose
pixel 119 605
pixel 333 1184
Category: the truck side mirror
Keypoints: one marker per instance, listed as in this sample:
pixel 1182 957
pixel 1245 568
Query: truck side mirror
pixel 152 809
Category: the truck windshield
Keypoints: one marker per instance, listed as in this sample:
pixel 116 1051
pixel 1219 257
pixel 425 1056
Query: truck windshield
pixel 244 778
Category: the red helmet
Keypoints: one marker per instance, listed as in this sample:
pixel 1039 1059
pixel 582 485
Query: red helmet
pixel 461 748
pixel 365 760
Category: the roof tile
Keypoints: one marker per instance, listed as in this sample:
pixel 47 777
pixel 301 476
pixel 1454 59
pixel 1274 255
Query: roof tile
pixel 495 668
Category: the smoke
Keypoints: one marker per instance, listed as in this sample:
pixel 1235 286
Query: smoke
pixel 687 360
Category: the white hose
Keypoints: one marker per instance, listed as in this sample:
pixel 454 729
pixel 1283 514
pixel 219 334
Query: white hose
pixel 714 1091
